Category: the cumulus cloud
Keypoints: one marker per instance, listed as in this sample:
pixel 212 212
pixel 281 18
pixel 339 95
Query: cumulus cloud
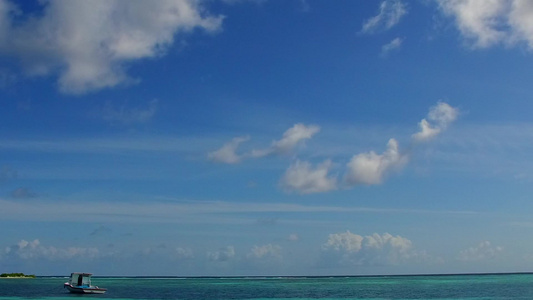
pixel 367 168
pixel 265 252
pixel 223 254
pixel 376 249
pixel 482 251
pixel 128 115
pixel 371 168
pixel 27 250
pixel 439 116
pixel 390 13
pixel 391 46
pixel 345 242
pixel 490 22
pixel 291 138
pixel 302 178
pixel 228 153
pixel 88 43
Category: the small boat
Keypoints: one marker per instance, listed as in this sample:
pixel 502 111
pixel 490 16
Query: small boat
pixel 80 283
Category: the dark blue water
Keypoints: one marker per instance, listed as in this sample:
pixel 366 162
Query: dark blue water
pixel 501 286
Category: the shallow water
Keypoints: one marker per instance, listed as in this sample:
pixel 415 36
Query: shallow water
pixel 500 286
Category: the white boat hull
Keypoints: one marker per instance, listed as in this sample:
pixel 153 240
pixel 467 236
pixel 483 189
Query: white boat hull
pixel 85 289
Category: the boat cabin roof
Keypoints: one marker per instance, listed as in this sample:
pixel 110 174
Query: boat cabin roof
pixel 79 273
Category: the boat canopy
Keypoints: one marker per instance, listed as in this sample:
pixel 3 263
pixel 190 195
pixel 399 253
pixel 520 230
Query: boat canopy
pixel 80 279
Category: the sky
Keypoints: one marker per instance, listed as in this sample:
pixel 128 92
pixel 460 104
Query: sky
pixel 266 137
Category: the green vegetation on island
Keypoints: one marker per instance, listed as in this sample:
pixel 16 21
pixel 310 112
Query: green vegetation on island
pixel 16 275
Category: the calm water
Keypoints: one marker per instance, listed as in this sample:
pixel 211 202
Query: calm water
pixel 504 286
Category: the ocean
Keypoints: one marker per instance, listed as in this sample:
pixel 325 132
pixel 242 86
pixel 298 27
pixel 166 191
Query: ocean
pixel 487 286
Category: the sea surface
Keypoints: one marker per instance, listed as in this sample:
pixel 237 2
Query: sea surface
pixel 489 286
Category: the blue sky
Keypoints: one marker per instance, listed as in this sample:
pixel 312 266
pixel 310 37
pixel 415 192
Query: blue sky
pixel 299 137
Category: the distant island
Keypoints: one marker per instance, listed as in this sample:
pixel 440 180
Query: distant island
pixel 16 275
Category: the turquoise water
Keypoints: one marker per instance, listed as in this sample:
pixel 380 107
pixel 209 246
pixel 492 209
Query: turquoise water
pixel 500 286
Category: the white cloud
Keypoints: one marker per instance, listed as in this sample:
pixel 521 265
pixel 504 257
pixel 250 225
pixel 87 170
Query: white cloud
pixel 301 177
pixel 367 168
pixel 477 20
pixel 265 252
pixel 183 253
pixel 27 250
pixel 293 237
pixel 392 45
pixel 376 249
pixel 88 42
pixel 176 211
pixel 291 138
pixel 443 114
pixel 440 115
pixel 129 115
pixel 371 168
pixel 426 131
pixel 490 22
pixel 223 254
pixel 345 242
pixel 521 20
pixel 390 13
pixel 227 154
pixel 482 251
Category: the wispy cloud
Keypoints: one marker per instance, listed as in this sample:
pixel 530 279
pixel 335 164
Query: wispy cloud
pixel 390 13
pixel 227 154
pixel 395 44
pixel 291 138
pixel 88 43
pixel 171 210
pixel 102 145
pixel 128 115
